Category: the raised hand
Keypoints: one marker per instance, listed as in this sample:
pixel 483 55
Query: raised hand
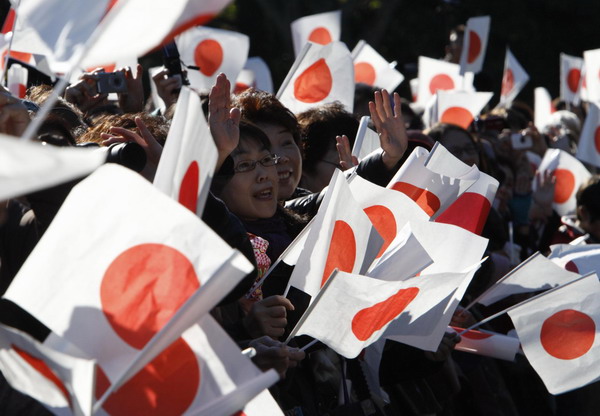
pixel 268 317
pixel 84 94
pixel 223 120
pixel 167 87
pixel 390 126
pixel 347 160
pixel 132 101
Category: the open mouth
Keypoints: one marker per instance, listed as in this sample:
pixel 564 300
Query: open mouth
pixel 264 195
pixel 285 175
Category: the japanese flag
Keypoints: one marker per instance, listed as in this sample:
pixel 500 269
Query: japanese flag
pixel 62 383
pixel 577 259
pixel 433 190
pixel 588 148
pixel 352 311
pixel 558 333
pixel 27 167
pixel 461 107
pixel 543 108
pixel 322 29
pixel 514 79
pixel 474 44
pixel 320 75
pixel 471 209
pixel 569 173
pixel 592 74
pixel 535 273
pixel 256 74
pixel 17 80
pixel 339 238
pixel 583 90
pixel 570 78
pixel 372 69
pixel 133 280
pixel 487 344
pixel 366 140
pixel 213 51
pixel 189 158
pixel 435 75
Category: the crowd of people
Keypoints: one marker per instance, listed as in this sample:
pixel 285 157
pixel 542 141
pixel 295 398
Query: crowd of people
pixel 272 171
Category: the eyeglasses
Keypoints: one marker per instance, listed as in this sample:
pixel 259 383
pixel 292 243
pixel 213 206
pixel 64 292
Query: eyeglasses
pixel 250 165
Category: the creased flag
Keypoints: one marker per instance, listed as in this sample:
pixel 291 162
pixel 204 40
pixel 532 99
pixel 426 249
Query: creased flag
pixel 27 167
pixel 366 140
pixel 62 383
pixel 372 69
pixel 543 108
pixel 255 74
pixel 213 51
pixel 322 28
pixel 592 75
pixel 320 75
pixel 461 107
pixel 580 259
pixel 570 78
pixel 474 44
pixel 131 282
pixel 353 311
pixel 559 334
pixel 437 75
pixel 569 173
pixel 588 148
pixel 514 79
pixel 188 160
pixel 338 239
pixel 432 188
pixel 535 273
pixel 488 344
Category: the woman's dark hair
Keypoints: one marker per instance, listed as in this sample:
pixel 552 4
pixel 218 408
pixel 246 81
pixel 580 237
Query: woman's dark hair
pixel 588 196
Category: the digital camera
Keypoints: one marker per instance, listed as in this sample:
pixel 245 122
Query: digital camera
pixel 107 82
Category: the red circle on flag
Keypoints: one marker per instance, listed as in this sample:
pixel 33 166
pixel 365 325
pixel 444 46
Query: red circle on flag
pixel 573 78
pixel 165 386
pixel 364 73
pixel 314 84
pixel 342 250
pixel 370 320
pixel 568 334
pixel 240 87
pixel 597 139
pixel 320 35
pixel 572 267
pixel 385 223
pixel 565 185
pixel 428 201
pixel 188 191
pixel 441 82
pixel 143 288
pixel 474 47
pixel 22 91
pixel 21 56
pixel 208 56
pixel 508 82
pixel 457 115
pixel 476 335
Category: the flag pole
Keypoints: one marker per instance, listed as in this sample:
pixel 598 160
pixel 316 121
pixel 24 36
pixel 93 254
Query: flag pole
pixel 510 308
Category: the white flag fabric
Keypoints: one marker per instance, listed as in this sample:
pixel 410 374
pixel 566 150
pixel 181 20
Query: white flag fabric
pixel 338 239
pixel 353 311
pixel 580 259
pixel 437 75
pixel 588 147
pixel 62 383
pixel 372 69
pixel 321 28
pixel 474 44
pixel 213 51
pixel 461 107
pixel 559 335
pixel 132 281
pixel 570 174
pixel 187 163
pixel 471 209
pixel 17 80
pixel 431 187
pixel 592 69
pixel 543 108
pixel 487 343
pixel 320 75
pixel 27 167
pixel 570 78
pixel 514 79
pixel 366 141
pixel 535 273
pixel 255 74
